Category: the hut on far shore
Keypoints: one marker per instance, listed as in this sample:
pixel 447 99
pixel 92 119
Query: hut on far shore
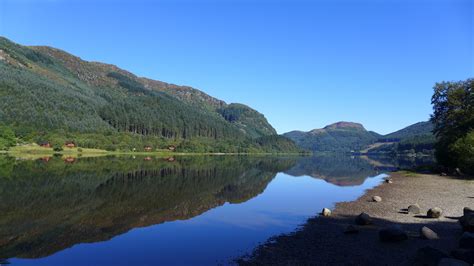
pixel 70 144
pixel 45 144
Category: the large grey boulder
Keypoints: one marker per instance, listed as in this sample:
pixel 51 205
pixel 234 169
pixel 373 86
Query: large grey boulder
pixel 434 212
pixel 392 234
pixel 427 233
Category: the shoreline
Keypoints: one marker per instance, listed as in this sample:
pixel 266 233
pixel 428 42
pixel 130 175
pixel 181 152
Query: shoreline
pixel 36 154
pixel 321 240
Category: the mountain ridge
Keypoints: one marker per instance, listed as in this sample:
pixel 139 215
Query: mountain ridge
pixel 346 136
pixel 49 93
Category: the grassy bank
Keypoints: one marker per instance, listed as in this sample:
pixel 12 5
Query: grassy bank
pixel 34 151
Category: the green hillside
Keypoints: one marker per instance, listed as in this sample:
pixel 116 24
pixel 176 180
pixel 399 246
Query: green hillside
pixel 353 137
pixel 416 138
pixel 412 131
pixel 337 137
pixel 49 95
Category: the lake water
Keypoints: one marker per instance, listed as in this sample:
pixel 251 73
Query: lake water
pixel 200 210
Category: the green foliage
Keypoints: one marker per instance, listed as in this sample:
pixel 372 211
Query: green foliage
pixel 7 138
pixel 128 83
pixel 59 197
pixel 453 118
pixel 334 138
pixel 413 131
pixel 463 151
pixel 57 148
pixel 248 120
pixel 49 95
pixel 423 144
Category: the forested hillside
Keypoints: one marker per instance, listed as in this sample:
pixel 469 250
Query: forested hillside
pixel 353 137
pixel 416 138
pixel 337 137
pixel 49 95
pixel 415 130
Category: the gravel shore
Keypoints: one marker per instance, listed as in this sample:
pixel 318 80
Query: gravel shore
pixel 321 241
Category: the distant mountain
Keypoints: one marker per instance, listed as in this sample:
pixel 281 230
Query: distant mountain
pixel 337 137
pixel 353 137
pixel 48 94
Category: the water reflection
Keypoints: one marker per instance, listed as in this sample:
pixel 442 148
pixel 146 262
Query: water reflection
pixel 344 170
pixel 50 204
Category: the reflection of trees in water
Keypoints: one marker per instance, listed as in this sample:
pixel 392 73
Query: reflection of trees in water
pixel 338 169
pixel 47 206
pixel 346 170
pixel 402 162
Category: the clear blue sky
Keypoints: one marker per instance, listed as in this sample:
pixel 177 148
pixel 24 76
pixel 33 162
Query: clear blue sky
pixel 304 64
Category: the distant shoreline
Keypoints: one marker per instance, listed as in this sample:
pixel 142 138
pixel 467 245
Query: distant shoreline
pixel 33 152
pixel 321 240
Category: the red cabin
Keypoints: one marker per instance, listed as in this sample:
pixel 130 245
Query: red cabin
pixel 70 144
pixel 45 144
pixel 69 160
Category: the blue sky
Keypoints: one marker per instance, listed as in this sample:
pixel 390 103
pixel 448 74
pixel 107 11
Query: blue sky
pixel 304 64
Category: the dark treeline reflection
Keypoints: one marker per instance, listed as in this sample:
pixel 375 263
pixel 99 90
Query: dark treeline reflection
pixel 345 170
pixel 48 205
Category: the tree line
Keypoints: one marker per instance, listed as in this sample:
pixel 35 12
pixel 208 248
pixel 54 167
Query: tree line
pixel 453 119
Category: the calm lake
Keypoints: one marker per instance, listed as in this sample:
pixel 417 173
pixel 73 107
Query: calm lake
pixel 203 210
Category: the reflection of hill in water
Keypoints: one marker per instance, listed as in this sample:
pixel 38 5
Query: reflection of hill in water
pixel 47 207
pixel 385 163
pixel 345 170
pixel 338 169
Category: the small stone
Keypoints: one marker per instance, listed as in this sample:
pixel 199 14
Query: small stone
pixel 414 209
pixel 467 210
pixel 388 180
pixel 351 229
pixel 452 262
pixel 467 222
pixel 463 254
pixel 427 233
pixel 392 234
pixel 363 219
pixel 467 240
pixel 326 212
pixel 458 172
pixel 376 199
pixel 443 174
pixel 429 256
pixel 434 212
